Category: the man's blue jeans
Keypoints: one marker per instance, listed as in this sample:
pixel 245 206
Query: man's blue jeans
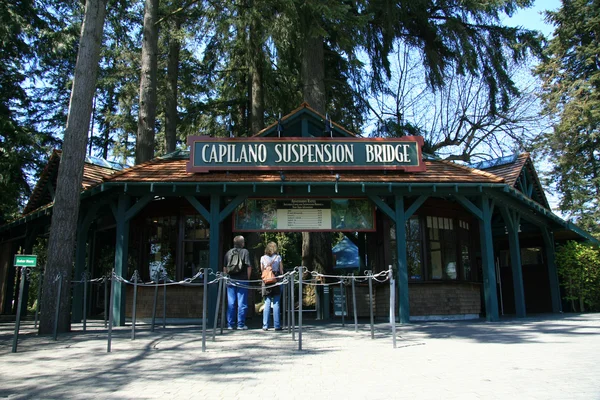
pixel 236 295
pixel 267 311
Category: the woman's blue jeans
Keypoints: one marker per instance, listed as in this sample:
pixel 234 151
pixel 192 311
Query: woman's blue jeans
pixel 267 311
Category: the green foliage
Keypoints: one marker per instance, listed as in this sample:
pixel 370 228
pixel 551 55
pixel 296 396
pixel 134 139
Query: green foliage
pixel 289 245
pixel 579 271
pixel 571 92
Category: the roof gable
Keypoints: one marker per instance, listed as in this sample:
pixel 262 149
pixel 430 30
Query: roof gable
pixel 304 122
pixel 94 172
pixel 518 172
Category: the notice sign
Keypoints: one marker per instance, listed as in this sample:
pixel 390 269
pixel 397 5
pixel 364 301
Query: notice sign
pixel 304 214
pixel 25 260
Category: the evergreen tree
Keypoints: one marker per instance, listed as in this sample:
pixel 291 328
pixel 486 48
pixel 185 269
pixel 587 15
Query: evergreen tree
pixel 571 92
pixel 61 243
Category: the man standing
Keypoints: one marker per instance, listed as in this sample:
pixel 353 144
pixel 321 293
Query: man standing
pixel 237 266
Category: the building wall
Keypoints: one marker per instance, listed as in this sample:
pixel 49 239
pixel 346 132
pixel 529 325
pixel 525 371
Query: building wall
pixel 182 302
pixel 437 300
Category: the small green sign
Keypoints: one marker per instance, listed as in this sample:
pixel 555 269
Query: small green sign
pixel 25 261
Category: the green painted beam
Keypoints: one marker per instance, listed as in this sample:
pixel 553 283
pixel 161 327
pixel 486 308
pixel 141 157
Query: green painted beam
pixel 487 256
pixel 552 271
pixel 214 260
pixel 415 206
pixel 121 250
pixel 231 207
pixel 83 227
pixel 199 207
pixel 387 210
pixel 403 298
pixel 466 203
pixel 512 220
pixel 138 206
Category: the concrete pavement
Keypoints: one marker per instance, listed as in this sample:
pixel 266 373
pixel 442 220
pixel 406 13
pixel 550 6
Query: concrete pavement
pixel 543 357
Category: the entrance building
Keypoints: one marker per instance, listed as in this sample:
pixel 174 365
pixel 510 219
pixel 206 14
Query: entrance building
pixel 473 240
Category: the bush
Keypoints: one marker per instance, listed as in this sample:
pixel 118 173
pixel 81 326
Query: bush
pixel 579 271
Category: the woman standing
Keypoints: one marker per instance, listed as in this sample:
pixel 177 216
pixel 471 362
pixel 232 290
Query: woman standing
pixel 272 294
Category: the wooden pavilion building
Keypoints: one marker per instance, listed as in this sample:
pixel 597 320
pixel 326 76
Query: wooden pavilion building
pixel 465 229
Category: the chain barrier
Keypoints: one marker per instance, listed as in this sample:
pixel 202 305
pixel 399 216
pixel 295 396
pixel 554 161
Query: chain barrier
pixel 287 282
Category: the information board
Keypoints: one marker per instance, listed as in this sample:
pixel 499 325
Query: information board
pixel 305 214
pixel 339 303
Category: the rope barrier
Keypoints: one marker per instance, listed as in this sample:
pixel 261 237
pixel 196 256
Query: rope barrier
pixel 287 281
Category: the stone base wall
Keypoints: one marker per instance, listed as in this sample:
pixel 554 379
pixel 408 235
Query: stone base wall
pixel 182 302
pixel 450 298
pixel 434 299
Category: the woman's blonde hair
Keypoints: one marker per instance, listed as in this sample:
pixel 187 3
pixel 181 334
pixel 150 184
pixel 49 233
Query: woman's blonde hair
pixel 271 248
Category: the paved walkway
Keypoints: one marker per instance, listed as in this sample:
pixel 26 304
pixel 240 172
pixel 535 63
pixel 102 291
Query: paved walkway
pixel 547 357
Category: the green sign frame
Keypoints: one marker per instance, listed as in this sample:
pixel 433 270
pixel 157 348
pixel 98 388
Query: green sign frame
pixel 261 153
pixel 22 260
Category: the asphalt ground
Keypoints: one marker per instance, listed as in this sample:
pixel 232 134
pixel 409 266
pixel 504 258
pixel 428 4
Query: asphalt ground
pixel 540 357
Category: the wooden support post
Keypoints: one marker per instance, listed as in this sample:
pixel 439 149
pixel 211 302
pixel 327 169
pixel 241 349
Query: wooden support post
pixel 487 258
pixel 552 272
pixel 122 244
pixel 400 218
pixel 512 220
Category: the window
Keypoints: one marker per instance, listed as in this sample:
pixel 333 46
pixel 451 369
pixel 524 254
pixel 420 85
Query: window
pixel 195 245
pixel 442 248
pixel 448 247
pixel 162 245
pixel 464 238
pixel 413 249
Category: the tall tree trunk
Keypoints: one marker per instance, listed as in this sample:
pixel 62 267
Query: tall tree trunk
pixel 256 58
pixel 144 149
pixel 171 116
pixel 61 243
pixel 316 246
pixel 313 73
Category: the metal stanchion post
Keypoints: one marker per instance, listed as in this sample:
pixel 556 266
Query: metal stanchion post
pixel 84 279
pixel 110 312
pixel 371 303
pixel 300 272
pixel 204 314
pixel 392 305
pixel 224 303
pixel 283 304
pixel 217 309
pixel 154 305
pixel 39 295
pixel 342 297
pixel 165 303
pixel 354 305
pixel 18 319
pixel 134 308
pixel 57 311
pixel 292 311
pixel 106 301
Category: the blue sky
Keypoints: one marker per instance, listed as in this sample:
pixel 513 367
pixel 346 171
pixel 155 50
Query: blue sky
pixel 532 18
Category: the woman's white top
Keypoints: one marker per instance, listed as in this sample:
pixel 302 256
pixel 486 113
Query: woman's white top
pixel 274 261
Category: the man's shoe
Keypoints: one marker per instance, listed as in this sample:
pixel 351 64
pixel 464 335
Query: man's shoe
pixel 244 328
pixel 230 328
pixel 278 329
pixel 265 329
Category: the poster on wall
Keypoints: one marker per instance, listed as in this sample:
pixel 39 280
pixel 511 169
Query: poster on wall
pixel 305 214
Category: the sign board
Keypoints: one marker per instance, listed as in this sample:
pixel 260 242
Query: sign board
pixel 326 153
pixel 339 305
pixel 305 214
pixel 25 260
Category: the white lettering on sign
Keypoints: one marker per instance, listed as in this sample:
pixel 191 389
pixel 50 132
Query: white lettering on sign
pixel 221 153
pixel 314 153
pixel 387 153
